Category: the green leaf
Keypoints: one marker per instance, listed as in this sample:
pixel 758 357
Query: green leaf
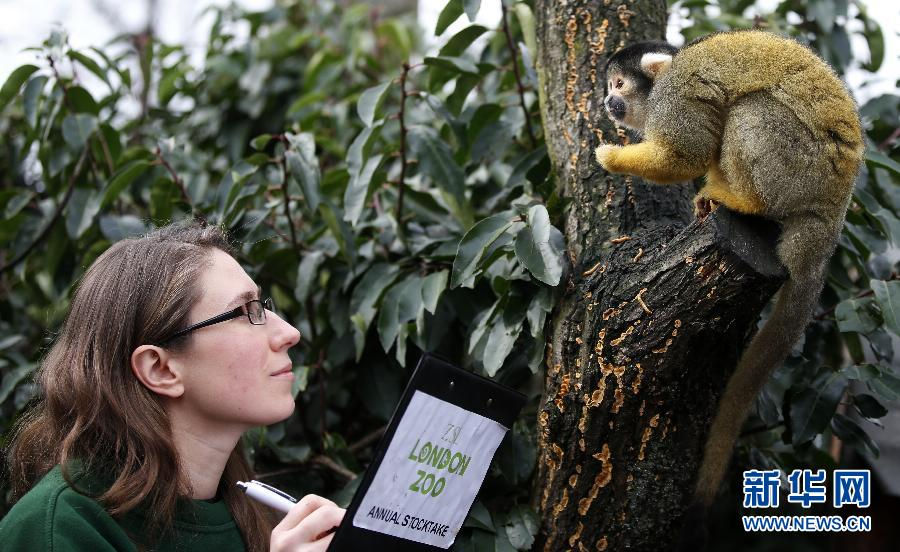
pixel 15 205
pixel 89 64
pixel 358 188
pixel 432 288
pixel 436 160
pixel 822 12
pixel 30 98
pixel 853 435
pixel 301 377
pixel 853 315
pixel 448 15
pixel 304 167
pixel 875 38
pixel 167 84
pixel 14 82
pixel 887 295
pixel 82 101
pixel 83 207
pixel 524 165
pixel 461 40
pixel 471 7
pixel 370 101
pixel 879 159
pixel 506 329
pixel 78 128
pixel 537 311
pixel 886 385
pixel 260 142
pixel 122 180
pixel 457 64
pixel 527 22
pixel 388 320
pixel 473 245
pixel 9 342
pixel 813 407
pixel 479 517
pixel 540 248
pixel 521 527
pixel 12 378
pixel 868 406
pixel 115 227
pixel 333 218
pixel 161 196
pixel 369 289
pixel 306 274
pixel 397 37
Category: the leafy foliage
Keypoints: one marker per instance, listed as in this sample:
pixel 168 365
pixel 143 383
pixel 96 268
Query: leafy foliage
pixel 390 206
pixel 352 178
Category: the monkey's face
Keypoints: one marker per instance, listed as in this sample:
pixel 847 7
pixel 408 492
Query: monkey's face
pixel 630 74
pixel 626 98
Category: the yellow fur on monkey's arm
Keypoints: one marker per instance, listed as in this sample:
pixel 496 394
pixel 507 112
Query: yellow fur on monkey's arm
pixel 649 160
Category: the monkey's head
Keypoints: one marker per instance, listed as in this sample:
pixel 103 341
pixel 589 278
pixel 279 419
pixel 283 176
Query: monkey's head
pixel 630 73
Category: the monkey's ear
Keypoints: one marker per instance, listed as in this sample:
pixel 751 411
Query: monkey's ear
pixel 654 64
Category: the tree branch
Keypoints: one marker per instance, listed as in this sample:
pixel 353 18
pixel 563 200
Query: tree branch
pixel 160 160
pixel 515 64
pixel 403 130
pixel 76 172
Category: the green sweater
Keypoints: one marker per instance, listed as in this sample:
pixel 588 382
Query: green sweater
pixel 54 517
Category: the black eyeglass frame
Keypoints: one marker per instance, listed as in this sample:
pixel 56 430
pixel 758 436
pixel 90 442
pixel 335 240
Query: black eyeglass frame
pixel 266 304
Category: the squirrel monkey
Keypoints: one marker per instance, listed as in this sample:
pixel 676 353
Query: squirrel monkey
pixel 776 134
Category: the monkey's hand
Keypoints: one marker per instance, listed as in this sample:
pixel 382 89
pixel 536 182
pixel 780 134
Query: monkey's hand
pixel 606 155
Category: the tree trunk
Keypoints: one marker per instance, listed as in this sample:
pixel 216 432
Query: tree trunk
pixel 656 312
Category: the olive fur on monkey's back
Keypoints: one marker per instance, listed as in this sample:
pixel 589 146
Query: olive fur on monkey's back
pixel 733 64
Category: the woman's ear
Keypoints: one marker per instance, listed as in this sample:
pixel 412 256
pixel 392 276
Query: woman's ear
pixel 155 368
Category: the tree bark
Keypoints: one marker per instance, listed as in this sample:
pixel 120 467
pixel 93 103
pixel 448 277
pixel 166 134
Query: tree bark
pixel 656 312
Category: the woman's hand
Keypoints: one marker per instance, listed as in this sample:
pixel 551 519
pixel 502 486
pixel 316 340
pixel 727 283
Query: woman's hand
pixel 308 526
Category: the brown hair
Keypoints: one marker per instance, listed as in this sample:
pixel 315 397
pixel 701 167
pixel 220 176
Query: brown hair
pixel 95 411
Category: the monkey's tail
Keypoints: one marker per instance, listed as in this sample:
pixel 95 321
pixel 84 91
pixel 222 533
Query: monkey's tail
pixel 806 244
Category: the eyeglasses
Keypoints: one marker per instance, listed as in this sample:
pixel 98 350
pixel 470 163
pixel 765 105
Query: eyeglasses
pixel 255 311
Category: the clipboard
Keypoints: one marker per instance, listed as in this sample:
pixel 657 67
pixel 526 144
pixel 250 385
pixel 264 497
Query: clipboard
pixel 433 378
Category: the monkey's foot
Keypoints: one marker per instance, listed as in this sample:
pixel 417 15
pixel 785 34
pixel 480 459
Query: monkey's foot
pixel 605 155
pixel 703 207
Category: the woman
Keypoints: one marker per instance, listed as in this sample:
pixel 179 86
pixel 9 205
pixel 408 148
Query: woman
pixel 167 357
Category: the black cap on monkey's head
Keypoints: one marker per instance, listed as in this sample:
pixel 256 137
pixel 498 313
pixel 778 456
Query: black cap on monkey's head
pixel 630 73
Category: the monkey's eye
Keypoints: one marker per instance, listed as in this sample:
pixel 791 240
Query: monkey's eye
pixel 619 83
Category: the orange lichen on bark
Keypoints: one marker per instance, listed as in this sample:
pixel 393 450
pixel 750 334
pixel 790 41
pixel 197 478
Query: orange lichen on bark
pixel 636 384
pixel 608 313
pixel 562 504
pixel 602 544
pixel 648 432
pixel 624 15
pixel 563 391
pixel 572 77
pixel 576 535
pixel 641 302
pixel 604 476
pixel 618 341
pixel 592 269
pixel 620 400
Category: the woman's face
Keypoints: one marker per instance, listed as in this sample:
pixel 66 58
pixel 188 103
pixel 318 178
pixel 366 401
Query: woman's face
pixel 235 373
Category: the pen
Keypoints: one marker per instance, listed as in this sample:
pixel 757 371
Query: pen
pixel 268 495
